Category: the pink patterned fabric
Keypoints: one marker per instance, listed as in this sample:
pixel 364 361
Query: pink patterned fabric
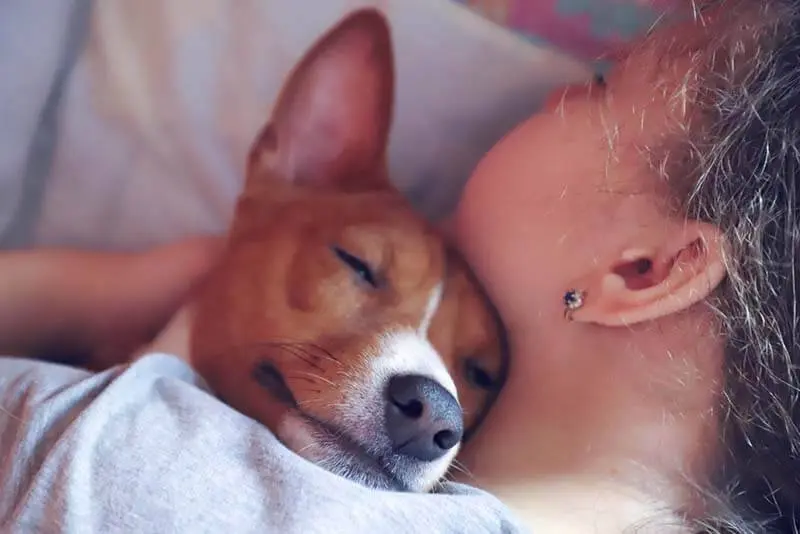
pixel 585 28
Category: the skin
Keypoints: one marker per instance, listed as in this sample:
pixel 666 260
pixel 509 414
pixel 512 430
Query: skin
pixel 105 304
pixel 605 416
pixel 615 408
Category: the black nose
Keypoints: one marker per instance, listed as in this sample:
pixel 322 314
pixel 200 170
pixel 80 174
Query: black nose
pixel 423 420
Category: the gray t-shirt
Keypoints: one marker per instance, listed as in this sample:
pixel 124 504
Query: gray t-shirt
pixel 146 448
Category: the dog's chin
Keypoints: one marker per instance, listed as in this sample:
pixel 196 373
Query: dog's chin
pixel 334 450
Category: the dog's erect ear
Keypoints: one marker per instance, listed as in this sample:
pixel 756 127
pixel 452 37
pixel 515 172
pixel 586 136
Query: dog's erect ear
pixel 330 125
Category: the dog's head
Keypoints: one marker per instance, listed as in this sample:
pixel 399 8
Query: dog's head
pixel 338 317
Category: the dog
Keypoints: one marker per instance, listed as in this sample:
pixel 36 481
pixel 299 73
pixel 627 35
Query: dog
pixel 337 316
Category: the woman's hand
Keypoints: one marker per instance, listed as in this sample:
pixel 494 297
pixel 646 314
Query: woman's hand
pixel 58 304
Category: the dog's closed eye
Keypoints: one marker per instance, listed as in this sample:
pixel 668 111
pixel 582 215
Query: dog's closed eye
pixel 268 377
pixel 360 267
pixel 478 377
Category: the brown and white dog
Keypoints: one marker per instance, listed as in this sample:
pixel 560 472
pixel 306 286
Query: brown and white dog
pixel 337 316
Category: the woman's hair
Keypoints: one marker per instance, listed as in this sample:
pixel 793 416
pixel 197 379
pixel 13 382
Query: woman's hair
pixel 737 165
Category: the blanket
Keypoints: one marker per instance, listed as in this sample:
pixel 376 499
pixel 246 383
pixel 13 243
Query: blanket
pixel 126 124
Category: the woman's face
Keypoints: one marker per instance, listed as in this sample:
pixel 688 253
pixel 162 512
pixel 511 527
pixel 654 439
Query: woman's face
pixel 550 198
pixel 558 198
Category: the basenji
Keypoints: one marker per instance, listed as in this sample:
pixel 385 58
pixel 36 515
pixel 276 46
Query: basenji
pixel 337 316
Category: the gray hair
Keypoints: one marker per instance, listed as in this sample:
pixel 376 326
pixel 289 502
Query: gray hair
pixel 736 164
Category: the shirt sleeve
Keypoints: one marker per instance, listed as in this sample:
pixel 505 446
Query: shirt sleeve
pixel 146 448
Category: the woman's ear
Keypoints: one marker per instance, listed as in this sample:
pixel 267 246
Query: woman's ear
pixel 649 280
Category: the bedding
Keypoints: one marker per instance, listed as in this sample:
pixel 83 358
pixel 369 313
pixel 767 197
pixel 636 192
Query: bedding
pixel 146 449
pixel 127 124
pixel 587 29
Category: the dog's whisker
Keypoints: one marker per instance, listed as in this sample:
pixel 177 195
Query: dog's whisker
pixel 461 468
pixel 261 345
pixel 348 375
pixel 326 353
pixel 309 403
pixel 308 379
pixel 313 376
pixel 297 349
pixel 301 450
pixel 304 348
pixel 298 353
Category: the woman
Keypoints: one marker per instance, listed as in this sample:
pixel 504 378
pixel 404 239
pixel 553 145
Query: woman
pixel 659 206
pixel 639 238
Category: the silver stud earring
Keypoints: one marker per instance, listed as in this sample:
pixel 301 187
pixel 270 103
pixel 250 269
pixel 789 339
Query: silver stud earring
pixel 573 300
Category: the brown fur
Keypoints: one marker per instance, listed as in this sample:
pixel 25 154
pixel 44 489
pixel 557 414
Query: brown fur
pixel 280 293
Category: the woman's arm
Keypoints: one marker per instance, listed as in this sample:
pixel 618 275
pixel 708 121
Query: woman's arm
pixel 72 302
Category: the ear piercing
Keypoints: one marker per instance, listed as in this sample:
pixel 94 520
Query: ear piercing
pixel 573 300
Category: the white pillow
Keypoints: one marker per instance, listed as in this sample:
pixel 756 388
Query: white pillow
pixel 166 95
